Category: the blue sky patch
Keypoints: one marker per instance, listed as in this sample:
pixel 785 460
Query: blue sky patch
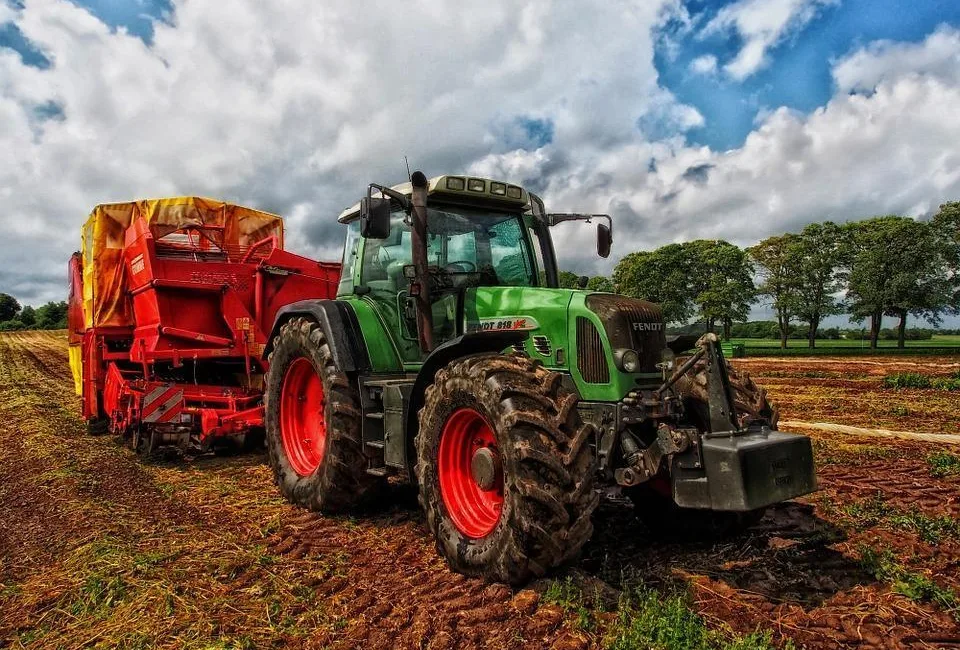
pixel 11 37
pixel 798 70
pixel 539 132
pixel 136 16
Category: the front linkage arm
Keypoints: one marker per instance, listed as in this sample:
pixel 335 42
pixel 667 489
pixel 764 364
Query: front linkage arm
pixel 643 464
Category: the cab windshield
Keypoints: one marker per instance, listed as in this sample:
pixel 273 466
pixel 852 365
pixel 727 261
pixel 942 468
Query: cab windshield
pixel 465 247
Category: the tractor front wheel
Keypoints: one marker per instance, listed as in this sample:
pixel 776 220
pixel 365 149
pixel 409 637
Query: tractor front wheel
pixel 505 468
pixel 313 421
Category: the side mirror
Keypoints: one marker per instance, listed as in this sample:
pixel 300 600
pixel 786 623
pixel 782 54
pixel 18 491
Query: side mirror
pixel 374 218
pixel 582 281
pixel 604 240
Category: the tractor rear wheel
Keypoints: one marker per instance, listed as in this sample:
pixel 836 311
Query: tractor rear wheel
pixel 313 421
pixel 505 468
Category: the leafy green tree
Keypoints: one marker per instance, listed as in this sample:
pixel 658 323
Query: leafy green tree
pixel 662 276
pixel 869 250
pixel 52 316
pixel 569 280
pixel 946 228
pixel 9 307
pixel 722 282
pixel 28 316
pixel 898 266
pixel 601 283
pixel 777 261
pixel 818 255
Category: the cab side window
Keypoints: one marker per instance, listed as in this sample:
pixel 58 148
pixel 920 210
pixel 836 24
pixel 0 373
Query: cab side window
pixel 349 262
pixel 509 254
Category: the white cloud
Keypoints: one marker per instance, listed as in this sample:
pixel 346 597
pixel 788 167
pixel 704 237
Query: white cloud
pixel 762 24
pixel 938 54
pixel 704 65
pixel 7 12
pixel 859 155
pixel 297 106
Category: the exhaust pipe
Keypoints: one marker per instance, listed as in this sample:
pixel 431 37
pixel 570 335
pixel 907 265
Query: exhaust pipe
pixel 420 286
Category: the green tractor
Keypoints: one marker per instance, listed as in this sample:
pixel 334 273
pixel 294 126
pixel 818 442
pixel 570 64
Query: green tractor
pixel 451 359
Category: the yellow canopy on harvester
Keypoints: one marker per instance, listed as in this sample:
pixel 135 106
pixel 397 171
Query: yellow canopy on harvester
pixel 105 301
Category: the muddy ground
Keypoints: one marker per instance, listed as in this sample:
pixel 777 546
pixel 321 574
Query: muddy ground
pixel 99 549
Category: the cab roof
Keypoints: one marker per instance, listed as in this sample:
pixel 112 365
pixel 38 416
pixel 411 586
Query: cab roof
pixel 459 188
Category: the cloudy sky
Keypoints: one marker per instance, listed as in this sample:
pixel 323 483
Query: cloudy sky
pixel 692 119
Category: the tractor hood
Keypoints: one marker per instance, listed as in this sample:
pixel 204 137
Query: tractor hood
pixel 580 332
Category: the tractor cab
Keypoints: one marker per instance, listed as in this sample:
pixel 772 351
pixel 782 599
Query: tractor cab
pixel 480 233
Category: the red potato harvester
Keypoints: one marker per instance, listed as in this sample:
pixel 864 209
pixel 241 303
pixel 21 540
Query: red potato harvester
pixel 171 303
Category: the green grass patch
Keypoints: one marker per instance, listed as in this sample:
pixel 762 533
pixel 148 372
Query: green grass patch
pixel 647 618
pixel 946 341
pixel 842 452
pixel 915 586
pixel 100 592
pixel 938 345
pixel 650 618
pixel 875 511
pixel 920 380
pixel 929 529
pixel 943 463
pixel 570 597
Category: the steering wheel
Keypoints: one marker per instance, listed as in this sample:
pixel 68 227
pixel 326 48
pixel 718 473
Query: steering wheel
pixel 465 266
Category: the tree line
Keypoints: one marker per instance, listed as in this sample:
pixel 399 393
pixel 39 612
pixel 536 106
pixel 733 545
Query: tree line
pixel 884 266
pixel 51 316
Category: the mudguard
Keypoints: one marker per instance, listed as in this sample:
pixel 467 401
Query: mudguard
pixel 340 327
pixel 462 346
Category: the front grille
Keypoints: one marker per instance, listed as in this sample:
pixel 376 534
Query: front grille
pixel 631 324
pixel 591 360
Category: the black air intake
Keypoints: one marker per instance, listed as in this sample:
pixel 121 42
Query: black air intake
pixel 631 324
pixel 591 360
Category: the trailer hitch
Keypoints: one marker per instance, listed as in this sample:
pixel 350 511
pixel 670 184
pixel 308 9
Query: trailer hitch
pixel 644 464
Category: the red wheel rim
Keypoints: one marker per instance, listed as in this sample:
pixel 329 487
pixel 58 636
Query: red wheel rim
pixel 303 430
pixel 474 510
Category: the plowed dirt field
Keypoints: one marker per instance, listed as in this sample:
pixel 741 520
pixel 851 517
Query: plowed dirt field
pixel 99 549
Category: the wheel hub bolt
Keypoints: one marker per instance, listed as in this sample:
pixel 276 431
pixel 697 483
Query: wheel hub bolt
pixel 485 467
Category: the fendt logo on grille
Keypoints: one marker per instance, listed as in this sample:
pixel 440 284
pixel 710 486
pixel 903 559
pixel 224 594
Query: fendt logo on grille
pixel 647 327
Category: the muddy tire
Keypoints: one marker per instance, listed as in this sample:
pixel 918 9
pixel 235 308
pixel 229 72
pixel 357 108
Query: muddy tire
pixel 749 399
pixel 313 422
pixel 143 441
pixel 505 468
pixel 98 426
pixel 666 520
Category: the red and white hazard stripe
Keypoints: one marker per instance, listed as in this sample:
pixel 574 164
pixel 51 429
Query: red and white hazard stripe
pixel 161 404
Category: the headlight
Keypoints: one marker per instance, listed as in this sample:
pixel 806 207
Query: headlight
pixel 668 359
pixel 627 360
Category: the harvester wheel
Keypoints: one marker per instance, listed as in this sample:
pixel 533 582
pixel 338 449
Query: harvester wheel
pixel 313 421
pixel 98 426
pixel 505 468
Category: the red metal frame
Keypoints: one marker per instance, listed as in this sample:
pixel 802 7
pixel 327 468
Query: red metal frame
pixel 195 303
